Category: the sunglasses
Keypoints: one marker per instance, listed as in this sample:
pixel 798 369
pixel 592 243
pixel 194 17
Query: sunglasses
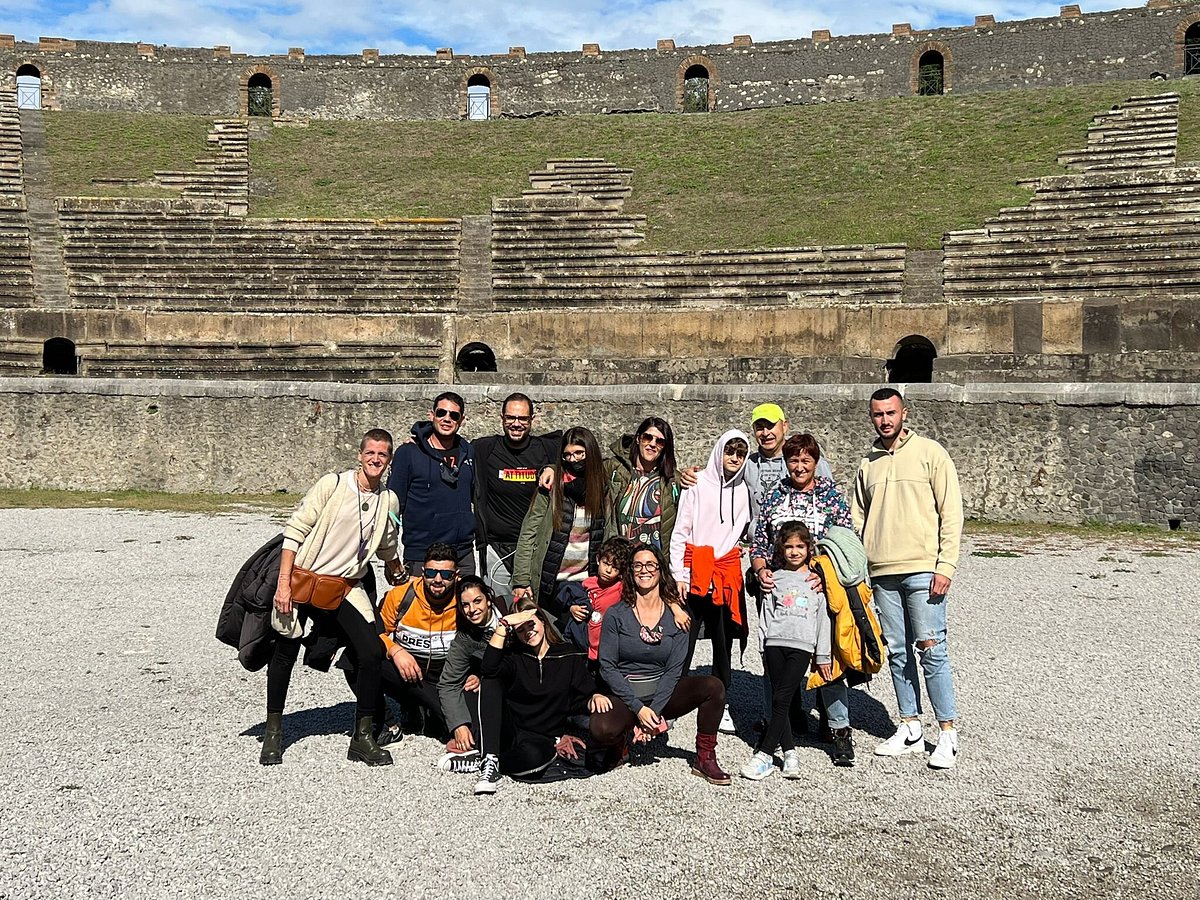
pixel 452 414
pixel 652 440
pixel 516 420
pixel 445 574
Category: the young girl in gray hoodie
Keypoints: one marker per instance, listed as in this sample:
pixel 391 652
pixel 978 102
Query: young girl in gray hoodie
pixel 795 629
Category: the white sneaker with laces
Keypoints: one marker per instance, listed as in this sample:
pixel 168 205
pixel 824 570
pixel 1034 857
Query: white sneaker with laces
pixel 945 753
pixel 489 776
pixel 908 738
pixel 759 767
pixel 727 726
pixel 460 763
pixel 791 763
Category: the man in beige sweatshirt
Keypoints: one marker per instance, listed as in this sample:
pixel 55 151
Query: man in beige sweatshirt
pixel 908 509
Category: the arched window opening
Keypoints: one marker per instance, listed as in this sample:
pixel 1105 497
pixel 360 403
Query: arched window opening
pixel 695 89
pixel 1191 50
pixel 58 357
pixel 912 361
pixel 931 74
pixel 479 97
pixel 260 99
pixel 476 357
pixel 29 87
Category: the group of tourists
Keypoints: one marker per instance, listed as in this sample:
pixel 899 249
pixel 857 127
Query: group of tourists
pixel 546 597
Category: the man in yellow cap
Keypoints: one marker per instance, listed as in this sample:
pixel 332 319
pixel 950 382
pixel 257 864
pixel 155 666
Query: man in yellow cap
pixel 765 466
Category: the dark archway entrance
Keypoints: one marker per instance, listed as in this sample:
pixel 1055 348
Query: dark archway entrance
pixel 29 87
pixel 912 361
pixel 931 74
pixel 58 357
pixel 696 82
pixel 476 357
pixel 1191 50
pixel 260 99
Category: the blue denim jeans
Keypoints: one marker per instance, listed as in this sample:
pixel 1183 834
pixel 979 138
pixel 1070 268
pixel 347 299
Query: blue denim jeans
pixel 837 707
pixel 908 616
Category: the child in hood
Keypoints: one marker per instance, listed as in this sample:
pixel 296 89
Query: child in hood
pixel 706 558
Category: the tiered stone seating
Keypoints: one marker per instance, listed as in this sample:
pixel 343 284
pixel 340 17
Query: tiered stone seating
pixel 569 242
pixel 1123 228
pixel 348 361
pixel 224 171
pixel 187 255
pixel 1141 133
pixel 16 270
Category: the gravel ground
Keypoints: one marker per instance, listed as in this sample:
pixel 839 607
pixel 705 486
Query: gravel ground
pixel 131 750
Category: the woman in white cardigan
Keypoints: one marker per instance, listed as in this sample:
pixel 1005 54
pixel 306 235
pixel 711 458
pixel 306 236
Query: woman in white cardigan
pixel 343 520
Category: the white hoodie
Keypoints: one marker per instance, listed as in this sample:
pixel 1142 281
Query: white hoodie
pixel 715 512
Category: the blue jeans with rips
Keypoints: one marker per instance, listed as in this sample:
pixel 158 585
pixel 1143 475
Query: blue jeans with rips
pixel 908 616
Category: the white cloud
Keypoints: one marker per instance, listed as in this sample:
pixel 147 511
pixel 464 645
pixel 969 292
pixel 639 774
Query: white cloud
pixel 419 26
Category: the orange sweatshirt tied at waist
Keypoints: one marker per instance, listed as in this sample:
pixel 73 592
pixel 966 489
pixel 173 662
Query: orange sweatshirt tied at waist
pixel 724 575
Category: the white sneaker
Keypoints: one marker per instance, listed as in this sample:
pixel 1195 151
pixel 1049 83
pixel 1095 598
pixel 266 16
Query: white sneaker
pixel 489 776
pixel 791 764
pixel 460 763
pixel 727 726
pixel 908 739
pixel 944 754
pixel 759 767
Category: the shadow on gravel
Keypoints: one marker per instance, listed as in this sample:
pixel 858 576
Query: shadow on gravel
pixel 302 723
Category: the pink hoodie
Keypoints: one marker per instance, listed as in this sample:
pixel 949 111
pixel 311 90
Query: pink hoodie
pixel 715 512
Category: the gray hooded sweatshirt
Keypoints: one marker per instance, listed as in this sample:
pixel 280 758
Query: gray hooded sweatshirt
pixel 794 615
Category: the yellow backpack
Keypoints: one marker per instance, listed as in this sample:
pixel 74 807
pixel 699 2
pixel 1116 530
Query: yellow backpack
pixel 858 645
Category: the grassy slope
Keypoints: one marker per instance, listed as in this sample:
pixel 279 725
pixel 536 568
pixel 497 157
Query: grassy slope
pixel 898 170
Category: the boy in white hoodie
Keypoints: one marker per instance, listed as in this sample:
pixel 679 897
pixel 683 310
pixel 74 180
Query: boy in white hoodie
pixel 705 556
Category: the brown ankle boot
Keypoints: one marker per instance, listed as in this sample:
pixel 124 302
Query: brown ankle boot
pixel 706 765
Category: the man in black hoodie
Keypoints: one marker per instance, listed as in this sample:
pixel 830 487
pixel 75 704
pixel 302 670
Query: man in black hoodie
pixel 434 477
pixel 507 466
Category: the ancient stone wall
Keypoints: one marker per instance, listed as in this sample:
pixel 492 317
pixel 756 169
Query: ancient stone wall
pixel 1070 48
pixel 1048 453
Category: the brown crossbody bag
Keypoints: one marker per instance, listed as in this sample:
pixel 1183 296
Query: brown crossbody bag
pixel 321 591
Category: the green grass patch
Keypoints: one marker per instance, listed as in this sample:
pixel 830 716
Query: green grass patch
pixel 900 170
pixel 993 554
pixel 157 501
pixel 978 528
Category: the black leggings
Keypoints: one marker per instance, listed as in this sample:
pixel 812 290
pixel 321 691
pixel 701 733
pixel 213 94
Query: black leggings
pixel 363 642
pixel 699 692
pixel 522 754
pixel 716 629
pixel 788 668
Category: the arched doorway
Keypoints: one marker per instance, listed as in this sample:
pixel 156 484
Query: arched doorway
pixel 479 97
pixel 476 357
pixel 260 96
pixel 912 361
pixel 931 74
pixel 1191 50
pixel 58 357
pixel 29 87
pixel 696 83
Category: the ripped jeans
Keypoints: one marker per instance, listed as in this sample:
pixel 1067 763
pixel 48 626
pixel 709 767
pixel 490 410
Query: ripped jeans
pixel 908 616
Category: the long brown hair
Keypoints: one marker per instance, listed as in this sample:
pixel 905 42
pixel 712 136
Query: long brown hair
pixel 668 591
pixel 595 485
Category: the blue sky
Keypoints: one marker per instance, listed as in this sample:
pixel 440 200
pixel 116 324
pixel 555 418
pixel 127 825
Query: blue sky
pixel 477 26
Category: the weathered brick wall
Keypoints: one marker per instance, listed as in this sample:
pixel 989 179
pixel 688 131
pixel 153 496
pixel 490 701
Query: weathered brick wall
pixel 1055 453
pixel 1124 44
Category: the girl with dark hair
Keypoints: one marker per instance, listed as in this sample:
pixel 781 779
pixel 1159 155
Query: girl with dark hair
pixel 533 681
pixel 479 612
pixel 645 494
pixel 642 651
pixel 565 525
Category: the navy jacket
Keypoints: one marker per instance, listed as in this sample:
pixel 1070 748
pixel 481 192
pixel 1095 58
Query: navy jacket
pixel 435 497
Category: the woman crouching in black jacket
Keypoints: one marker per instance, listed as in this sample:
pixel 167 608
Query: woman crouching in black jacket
pixel 532 681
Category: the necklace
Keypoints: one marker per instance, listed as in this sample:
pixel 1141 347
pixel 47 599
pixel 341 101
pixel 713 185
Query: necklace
pixel 364 533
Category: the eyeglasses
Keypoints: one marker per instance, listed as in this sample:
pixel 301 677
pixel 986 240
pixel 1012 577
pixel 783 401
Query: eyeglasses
pixel 645 567
pixel 575 455
pixel 452 414
pixel 444 574
pixel 653 440
pixel 516 420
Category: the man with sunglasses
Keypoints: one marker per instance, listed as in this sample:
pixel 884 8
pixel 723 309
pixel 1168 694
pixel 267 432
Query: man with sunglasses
pixel 507 467
pixel 434 478
pixel 420 620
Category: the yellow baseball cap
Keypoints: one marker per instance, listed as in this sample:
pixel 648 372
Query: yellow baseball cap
pixel 772 412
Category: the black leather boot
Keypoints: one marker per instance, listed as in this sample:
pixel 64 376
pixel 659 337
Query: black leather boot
pixel 363 747
pixel 272 748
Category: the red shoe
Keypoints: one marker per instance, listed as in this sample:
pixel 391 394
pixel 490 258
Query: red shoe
pixel 705 764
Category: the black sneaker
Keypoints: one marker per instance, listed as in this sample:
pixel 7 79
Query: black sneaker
pixel 843 748
pixel 489 776
pixel 390 733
